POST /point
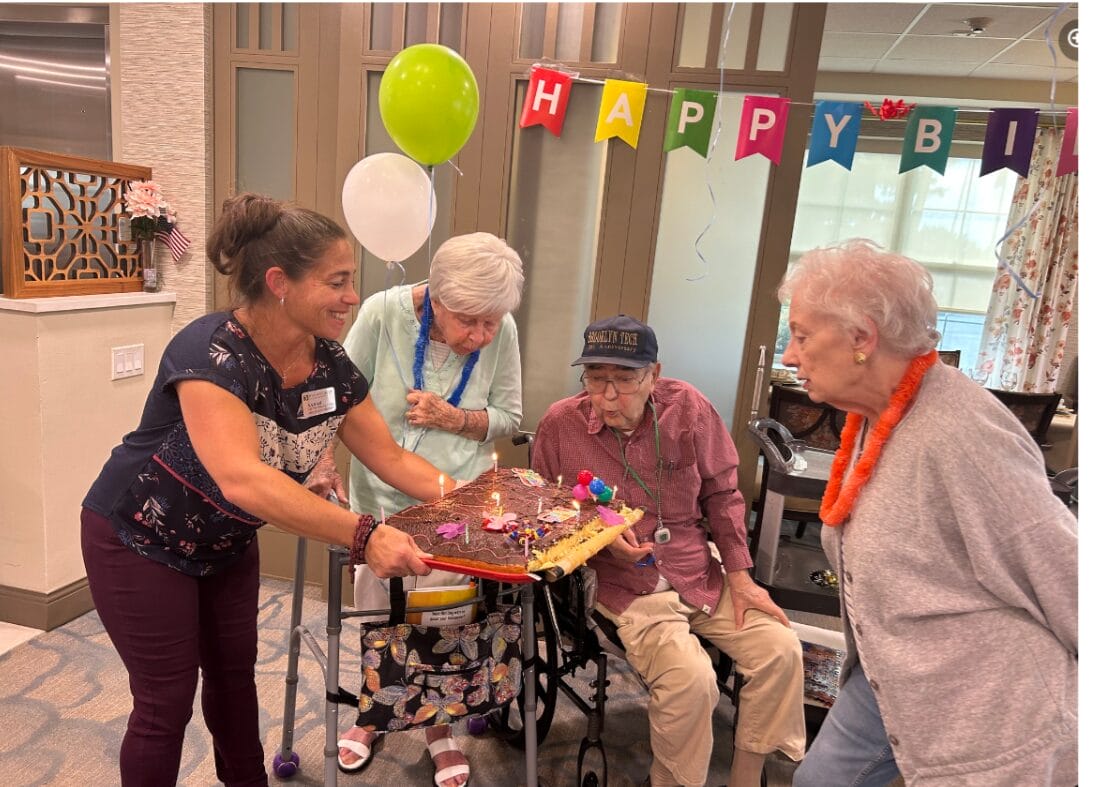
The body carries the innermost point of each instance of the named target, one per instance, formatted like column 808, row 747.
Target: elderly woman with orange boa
column 957, row 565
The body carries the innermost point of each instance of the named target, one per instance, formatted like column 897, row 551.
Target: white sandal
column 436, row 748
column 365, row 752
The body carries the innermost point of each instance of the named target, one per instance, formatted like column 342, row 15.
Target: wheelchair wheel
column 591, row 770
column 509, row 721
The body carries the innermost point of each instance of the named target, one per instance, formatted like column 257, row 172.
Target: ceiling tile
column 865, row 45
column 1008, row 71
column 1066, row 18
column 847, row 64
column 940, row 68
column 1000, row 21
column 964, row 50
column 1033, row 53
column 870, row 17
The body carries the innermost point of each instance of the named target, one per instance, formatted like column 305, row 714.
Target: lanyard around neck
column 659, row 459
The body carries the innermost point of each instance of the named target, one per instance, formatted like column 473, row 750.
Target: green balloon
column 429, row 102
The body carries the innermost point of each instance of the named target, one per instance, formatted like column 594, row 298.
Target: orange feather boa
column 839, row 497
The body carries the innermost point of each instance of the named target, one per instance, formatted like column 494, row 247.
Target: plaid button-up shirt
column 698, row 479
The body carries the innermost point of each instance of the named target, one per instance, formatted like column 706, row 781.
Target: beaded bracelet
column 363, row 530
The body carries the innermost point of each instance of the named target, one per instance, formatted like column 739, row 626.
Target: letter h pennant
column 546, row 99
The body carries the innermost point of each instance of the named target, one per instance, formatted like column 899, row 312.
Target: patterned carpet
column 64, row 703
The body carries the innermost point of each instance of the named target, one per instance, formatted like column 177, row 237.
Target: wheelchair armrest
column 522, row 438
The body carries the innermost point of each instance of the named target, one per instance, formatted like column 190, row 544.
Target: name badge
column 314, row 403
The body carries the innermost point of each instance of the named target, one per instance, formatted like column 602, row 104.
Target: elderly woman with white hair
column 442, row 358
column 957, row 565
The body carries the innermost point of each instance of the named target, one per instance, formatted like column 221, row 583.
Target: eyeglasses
column 596, row 384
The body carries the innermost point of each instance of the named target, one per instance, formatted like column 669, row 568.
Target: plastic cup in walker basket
column 798, row 462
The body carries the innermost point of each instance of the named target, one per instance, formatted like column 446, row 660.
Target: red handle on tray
column 499, row 576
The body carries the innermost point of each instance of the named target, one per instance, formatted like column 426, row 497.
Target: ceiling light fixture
column 976, row 26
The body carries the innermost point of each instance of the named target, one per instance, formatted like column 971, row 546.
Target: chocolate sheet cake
column 513, row 521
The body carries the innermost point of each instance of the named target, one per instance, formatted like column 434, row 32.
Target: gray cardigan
column 959, row 579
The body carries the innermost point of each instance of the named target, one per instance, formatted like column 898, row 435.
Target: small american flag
column 168, row 233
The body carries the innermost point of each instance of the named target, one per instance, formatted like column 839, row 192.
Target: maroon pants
column 167, row 626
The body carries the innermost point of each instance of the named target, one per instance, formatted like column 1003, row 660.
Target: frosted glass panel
column 289, row 27
column 701, row 323
column 265, row 132
column 266, row 26
column 374, row 274
column 774, row 40
column 695, row 35
column 553, row 223
column 604, row 48
column 569, row 31
column 532, row 31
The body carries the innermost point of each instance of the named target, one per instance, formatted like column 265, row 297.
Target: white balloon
column 389, row 205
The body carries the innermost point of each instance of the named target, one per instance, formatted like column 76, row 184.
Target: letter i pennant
column 546, row 99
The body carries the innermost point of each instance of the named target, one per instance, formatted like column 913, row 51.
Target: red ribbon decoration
column 890, row 109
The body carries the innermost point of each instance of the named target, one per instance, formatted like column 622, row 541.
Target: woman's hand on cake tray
column 626, row 547
column 325, row 480
column 393, row 553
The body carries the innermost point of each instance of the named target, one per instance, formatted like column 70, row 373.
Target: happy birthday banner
column 1008, row 141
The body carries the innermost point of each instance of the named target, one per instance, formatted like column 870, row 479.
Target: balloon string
column 1052, row 51
column 712, row 148
column 455, row 166
column 999, row 252
column 431, row 207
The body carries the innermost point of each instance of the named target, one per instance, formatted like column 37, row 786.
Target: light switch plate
column 127, row 361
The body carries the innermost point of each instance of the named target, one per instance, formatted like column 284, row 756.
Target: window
column 949, row 222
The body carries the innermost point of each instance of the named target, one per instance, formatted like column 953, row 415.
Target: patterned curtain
column 1023, row 340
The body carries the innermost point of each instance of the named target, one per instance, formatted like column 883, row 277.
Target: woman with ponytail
column 244, row 404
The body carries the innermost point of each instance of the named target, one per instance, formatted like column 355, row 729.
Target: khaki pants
column 656, row 630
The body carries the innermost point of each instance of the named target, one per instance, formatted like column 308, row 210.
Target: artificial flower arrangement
column 148, row 209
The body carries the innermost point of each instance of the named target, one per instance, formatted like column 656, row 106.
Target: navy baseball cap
column 621, row 341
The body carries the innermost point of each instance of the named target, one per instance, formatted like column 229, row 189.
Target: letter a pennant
column 546, row 99
column 690, row 120
column 927, row 138
column 621, row 110
column 762, row 127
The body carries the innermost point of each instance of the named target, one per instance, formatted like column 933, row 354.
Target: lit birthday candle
column 441, row 486
column 540, row 501
column 560, row 478
column 495, row 462
column 614, row 494
column 498, row 507
column 467, row 532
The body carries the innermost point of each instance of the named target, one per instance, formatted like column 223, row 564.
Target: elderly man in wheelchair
column 664, row 446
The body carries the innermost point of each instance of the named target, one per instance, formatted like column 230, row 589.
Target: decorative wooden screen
column 59, row 225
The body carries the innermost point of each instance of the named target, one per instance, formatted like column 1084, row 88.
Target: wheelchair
column 573, row 635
